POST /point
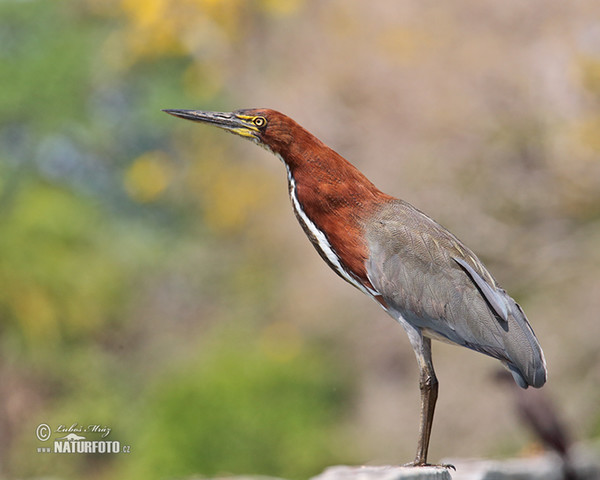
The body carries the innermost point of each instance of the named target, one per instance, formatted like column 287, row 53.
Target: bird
column 422, row 275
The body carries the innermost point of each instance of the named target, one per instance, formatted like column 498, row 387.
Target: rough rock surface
column 343, row 472
column 586, row 466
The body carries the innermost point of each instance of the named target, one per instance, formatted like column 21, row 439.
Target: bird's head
column 268, row 128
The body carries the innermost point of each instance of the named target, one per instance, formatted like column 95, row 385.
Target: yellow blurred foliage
column 281, row 341
column 587, row 126
column 403, row 45
column 226, row 191
column 229, row 194
column 155, row 28
column 151, row 31
column 589, row 72
column 201, row 82
column 148, row 176
column 281, row 7
column 589, row 132
column 36, row 312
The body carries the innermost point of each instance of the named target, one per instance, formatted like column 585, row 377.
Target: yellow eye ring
column 260, row 122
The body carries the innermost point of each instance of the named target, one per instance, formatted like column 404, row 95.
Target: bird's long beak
column 240, row 125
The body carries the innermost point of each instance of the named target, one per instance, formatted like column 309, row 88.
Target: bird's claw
column 422, row 464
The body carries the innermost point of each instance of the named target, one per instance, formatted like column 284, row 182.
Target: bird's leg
column 428, row 384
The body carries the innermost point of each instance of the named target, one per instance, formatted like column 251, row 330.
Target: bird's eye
column 260, row 122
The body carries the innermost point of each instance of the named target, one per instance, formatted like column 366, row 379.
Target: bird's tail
column 520, row 350
column 526, row 359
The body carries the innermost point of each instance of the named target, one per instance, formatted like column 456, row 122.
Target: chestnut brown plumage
column 414, row 268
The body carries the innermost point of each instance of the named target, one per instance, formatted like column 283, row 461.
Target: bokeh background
column 153, row 278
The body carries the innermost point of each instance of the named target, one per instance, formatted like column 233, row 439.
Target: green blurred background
column 153, row 279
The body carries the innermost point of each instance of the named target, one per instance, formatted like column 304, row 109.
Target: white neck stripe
column 320, row 240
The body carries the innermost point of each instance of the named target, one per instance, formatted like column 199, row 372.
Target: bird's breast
column 334, row 232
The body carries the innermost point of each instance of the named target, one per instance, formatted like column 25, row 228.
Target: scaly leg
column 428, row 384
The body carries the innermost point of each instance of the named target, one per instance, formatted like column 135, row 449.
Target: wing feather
column 495, row 299
column 428, row 278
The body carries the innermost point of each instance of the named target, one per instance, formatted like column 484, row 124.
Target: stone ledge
column 388, row 472
column 548, row 466
column 586, row 466
column 585, row 463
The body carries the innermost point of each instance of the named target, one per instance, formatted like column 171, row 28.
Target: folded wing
column 426, row 276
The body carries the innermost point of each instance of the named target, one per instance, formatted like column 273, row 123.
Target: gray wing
column 428, row 277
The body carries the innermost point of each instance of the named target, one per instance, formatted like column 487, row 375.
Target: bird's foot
column 423, row 464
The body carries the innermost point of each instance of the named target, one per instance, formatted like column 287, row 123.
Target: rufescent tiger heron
column 416, row 270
